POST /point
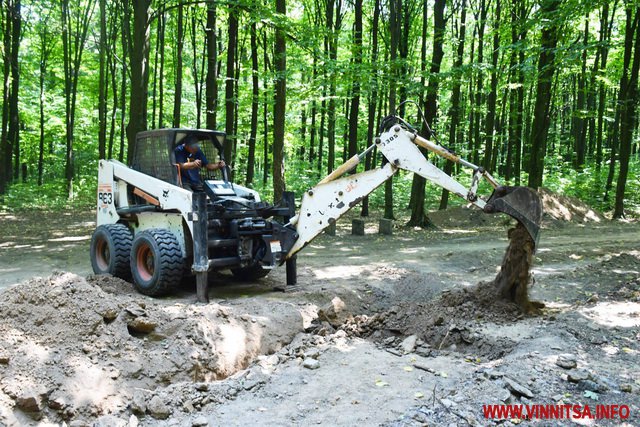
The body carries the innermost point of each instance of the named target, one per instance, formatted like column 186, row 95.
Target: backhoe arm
column 334, row 196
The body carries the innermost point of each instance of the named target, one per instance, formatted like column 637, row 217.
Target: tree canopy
column 539, row 92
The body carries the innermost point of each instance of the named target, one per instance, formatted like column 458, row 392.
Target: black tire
column 248, row 274
column 110, row 249
column 156, row 261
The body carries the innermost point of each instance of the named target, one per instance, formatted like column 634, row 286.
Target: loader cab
column 153, row 153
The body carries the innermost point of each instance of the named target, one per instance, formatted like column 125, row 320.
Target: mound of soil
column 556, row 208
column 564, row 208
column 453, row 321
column 70, row 348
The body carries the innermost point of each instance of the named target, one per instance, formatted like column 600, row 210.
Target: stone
column 357, row 227
column 109, row 315
column 577, row 375
column 312, row 353
column 493, row 374
column 627, row 388
column 504, row 395
column 158, row 409
column 331, row 229
column 517, row 389
column 138, row 403
column 335, row 313
column 133, row 421
column 310, row 363
column 142, row 325
column 591, row 386
column 408, row 345
column 30, row 401
column 4, row 359
column 385, row 226
column 135, row 310
column 201, row 421
column 567, row 361
column 110, row 421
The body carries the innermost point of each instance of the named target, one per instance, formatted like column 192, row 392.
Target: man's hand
column 197, row 163
column 221, row 164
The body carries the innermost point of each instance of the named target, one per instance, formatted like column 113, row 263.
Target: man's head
column 191, row 144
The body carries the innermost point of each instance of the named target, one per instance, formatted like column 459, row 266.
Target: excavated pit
column 73, row 346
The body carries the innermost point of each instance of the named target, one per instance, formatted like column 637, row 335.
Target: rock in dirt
column 142, row 325
column 517, row 389
column 4, row 359
column 139, row 403
column 577, row 375
column 30, row 401
column 311, row 363
column 408, row 345
column 335, row 313
column 201, row 421
column 567, row 361
column 158, row 409
column 627, row 388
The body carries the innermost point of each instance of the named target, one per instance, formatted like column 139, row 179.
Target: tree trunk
column 491, row 101
column 211, row 100
column 418, row 216
column 280, row 61
column 546, row 70
column 102, row 84
column 629, row 99
column 371, row 116
column 454, row 111
column 139, row 64
column 355, row 89
column 177, row 99
column 255, row 100
column 230, row 102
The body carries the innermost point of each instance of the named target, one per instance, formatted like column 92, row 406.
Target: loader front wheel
column 110, row 249
column 156, row 261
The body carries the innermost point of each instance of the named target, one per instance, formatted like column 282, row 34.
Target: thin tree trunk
column 546, row 70
column 255, row 102
column 212, row 64
column 454, row 111
column 371, row 116
column 629, row 98
column 177, row 99
column 491, row 101
column 280, row 62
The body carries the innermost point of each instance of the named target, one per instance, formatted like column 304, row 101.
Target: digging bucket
column 521, row 203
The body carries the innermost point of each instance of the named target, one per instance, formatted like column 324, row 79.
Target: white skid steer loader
column 152, row 231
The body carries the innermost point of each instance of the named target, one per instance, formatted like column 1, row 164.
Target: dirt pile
column 73, row 347
column 556, row 208
column 453, row 321
column 565, row 208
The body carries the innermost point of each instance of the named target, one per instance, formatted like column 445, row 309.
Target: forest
column 539, row 92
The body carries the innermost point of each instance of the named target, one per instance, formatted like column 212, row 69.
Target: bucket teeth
column 521, row 203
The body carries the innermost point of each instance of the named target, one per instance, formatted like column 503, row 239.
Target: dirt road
column 404, row 348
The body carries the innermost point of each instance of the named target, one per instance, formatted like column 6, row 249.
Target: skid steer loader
column 152, row 231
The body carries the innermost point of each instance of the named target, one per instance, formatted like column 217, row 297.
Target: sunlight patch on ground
column 611, row 314
column 457, row 231
column 70, row 239
column 338, row 272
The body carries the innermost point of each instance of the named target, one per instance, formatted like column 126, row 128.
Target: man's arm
column 215, row 166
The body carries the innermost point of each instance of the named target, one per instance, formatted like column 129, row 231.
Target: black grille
column 152, row 158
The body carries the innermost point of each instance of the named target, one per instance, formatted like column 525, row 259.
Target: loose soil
column 386, row 330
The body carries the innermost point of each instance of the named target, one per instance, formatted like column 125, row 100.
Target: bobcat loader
column 152, row 231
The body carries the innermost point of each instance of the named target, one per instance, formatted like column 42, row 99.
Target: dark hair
column 190, row 140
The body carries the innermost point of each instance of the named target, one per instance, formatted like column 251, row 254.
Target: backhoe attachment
column 398, row 143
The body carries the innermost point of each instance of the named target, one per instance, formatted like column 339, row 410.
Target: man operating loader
column 190, row 159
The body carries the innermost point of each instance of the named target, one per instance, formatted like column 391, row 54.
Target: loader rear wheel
column 156, row 261
column 248, row 274
column 110, row 249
